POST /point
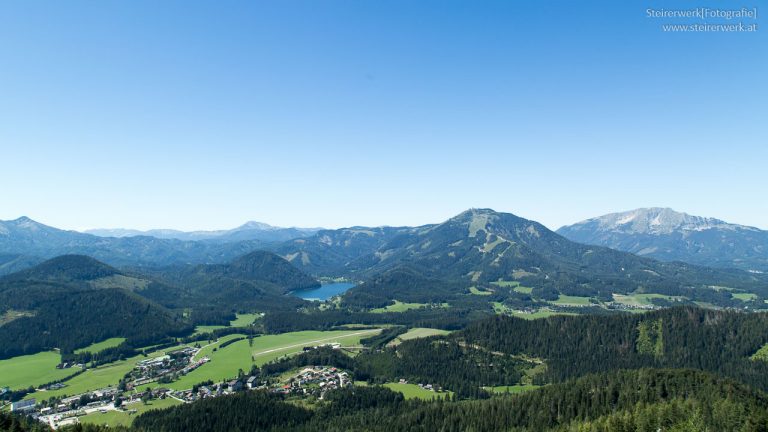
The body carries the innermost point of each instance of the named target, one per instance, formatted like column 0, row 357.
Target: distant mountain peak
column 474, row 212
column 26, row 222
column 257, row 225
column 655, row 220
column 666, row 234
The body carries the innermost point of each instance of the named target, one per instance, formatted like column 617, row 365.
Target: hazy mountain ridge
column 251, row 230
column 667, row 235
column 11, row 263
column 26, row 237
column 337, row 252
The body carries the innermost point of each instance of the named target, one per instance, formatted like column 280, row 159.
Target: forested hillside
column 668, row 400
column 257, row 281
column 717, row 341
column 72, row 301
column 68, row 318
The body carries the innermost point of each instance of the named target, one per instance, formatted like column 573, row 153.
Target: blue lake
column 324, row 292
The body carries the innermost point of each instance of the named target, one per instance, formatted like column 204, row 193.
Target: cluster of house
column 174, row 362
column 206, row 391
column 66, row 411
column 57, row 413
column 314, row 381
column 67, row 365
column 430, row 387
column 624, row 306
column 309, row 381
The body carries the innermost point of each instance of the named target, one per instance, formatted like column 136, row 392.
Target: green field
column 226, row 362
column 399, row 307
column 642, row 299
column 32, row 370
column 92, row 379
column 513, row 388
column 124, row 418
column 244, row 320
column 761, row 354
column 206, row 329
column 744, row 296
column 413, row 391
column 506, row 284
column 11, row 315
column 516, row 287
column 476, row 291
column 241, row 320
column 98, row 346
column 566, row 300
column 415, row 333
column 539, row 314
column 499, row 308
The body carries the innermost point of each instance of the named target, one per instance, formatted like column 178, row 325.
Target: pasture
column 399, row 307
column 125, row 418
column 415, row 333
column 413, row 391
column 99, row 346
column 32, row 370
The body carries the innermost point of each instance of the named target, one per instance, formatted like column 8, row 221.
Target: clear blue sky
column 202, row 115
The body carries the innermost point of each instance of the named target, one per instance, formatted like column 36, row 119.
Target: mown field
column 513, row 388
column 242, row 320
column 475, row 291
column 566, row 300
column 98, row 346
column 415, row 333
column 413, row 391
column 642, row 299
column 399, row 307
column 32, row 370
column 744, row 296
column 125, row 418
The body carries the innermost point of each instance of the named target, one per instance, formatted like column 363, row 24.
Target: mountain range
column 24, row 241
column 476, row 261
column 436, row 263
column 249, row 231
column 667, row 235
column 484, row 248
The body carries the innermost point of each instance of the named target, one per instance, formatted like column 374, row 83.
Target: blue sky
column 202, row 115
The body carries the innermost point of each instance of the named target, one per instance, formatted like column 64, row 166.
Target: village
column 309, row 381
